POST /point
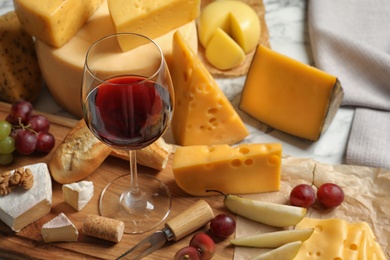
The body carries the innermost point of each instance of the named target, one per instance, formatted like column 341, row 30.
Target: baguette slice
column 153, row 156
column 80, row 154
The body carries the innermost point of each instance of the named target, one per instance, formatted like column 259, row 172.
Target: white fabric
column 351, row 40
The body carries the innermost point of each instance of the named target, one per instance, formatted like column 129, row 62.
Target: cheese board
column 29, row 242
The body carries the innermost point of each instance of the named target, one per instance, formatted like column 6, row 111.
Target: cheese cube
column 290, row 96
column 20, row 75
column 59, row 229
column 78, row 194
column 203, row 114
column 246, row 168
column 151, row 18
column 22, row 207
column 54, row 21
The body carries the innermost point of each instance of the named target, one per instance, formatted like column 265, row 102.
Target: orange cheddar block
column 289, row 95
column 203, row 114
column 242, row 169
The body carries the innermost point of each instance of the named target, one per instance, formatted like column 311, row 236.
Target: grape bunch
column 24, row 132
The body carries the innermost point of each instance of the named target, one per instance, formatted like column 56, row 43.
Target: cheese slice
column 54, row 21
column 327, row 240
column 246, row 168
column 337, row 239
column 151, row 18
column 78, row 194
column 59, row 229
column 22, row 207
column 62, row 68
column 203, row 114
column 289, row 95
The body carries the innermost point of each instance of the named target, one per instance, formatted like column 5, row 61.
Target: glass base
column 140, row 212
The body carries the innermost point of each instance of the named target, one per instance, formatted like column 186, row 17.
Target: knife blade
column 188, row 221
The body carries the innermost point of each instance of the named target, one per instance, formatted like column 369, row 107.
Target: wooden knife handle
column 190, row 219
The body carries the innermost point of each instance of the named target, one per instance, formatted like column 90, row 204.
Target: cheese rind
column 59, row 229
column 62, row 68
column 78, row 194
column 54, row 21
column 289, row 95
column 151, row 18
column 22, row 207
column 203, row 114
column 246, row 168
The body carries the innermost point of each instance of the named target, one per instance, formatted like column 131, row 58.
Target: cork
column 103, row 228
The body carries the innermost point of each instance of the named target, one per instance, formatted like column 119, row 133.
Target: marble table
column 287, row 25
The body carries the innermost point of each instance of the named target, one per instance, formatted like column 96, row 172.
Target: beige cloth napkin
column 351, row 40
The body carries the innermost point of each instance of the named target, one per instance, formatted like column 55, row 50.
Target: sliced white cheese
column 59, row 229
column 78, row 194
column 22, row 207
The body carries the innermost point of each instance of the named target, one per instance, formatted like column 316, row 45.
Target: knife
column 191, row 219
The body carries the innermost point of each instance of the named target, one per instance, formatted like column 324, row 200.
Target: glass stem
column 133, row 173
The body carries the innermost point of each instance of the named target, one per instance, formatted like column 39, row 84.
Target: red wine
column 128, row 111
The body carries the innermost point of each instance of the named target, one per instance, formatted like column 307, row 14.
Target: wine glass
column 127, row 100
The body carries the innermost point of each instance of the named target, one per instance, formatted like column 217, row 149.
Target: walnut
column 21, row 177
column 4, row 182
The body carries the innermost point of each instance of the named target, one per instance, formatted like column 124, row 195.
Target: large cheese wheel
column 62, row 67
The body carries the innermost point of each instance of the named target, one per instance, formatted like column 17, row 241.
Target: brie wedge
column 22, row 207
column 78, row 194
column 59, row 229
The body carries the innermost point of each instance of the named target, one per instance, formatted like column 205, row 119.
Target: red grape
column 302, row 195
column 45, row 142
column 187, row 253
column 25, row 142
column 204, row 244
column 21, row 109
column 39, row 123
column 330, row 195
column 223, row 225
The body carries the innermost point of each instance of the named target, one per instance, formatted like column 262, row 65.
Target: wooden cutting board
column 29, row 243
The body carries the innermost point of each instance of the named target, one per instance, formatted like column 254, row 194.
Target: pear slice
column 287, row 251
column 273, row 239
column 272, row 214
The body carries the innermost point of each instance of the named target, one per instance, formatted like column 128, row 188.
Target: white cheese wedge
column 22, row 207
column 59, row 229
column 78, row 194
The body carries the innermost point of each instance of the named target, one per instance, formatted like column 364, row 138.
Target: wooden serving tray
column 28, row 243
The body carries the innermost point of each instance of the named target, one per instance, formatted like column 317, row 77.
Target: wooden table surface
column 29, row 243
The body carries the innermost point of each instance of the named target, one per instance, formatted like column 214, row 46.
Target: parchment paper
column 367, row 198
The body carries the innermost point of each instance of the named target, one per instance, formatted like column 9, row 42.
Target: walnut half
column 21, row 177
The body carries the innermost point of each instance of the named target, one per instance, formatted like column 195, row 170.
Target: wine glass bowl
column 127, row 100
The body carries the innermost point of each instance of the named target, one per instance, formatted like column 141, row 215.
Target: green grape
column 5, row 129
column 7, row 145
column 6, row 158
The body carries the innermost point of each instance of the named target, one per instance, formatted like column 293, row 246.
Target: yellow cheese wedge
column 223, row 52
column 54, row 21
column 62, row 67
column 236, row 18
column 246, row 168
column 203, row 114
column 152, row 18
column 289, row 95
